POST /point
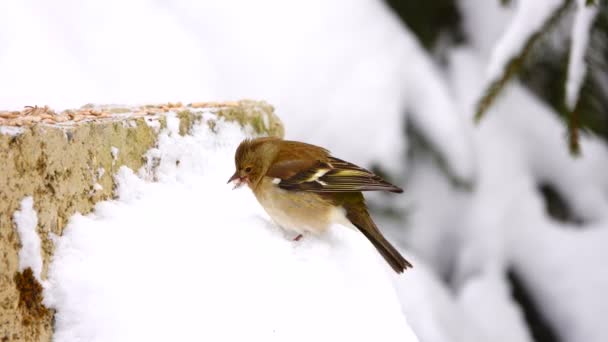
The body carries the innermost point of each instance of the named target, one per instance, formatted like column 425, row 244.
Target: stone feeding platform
column 66, row 161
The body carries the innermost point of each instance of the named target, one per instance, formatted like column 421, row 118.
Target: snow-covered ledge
column 56, row 164
column 125, row 230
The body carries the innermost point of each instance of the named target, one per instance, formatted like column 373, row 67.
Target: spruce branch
column 514, row 65
column 573, row 133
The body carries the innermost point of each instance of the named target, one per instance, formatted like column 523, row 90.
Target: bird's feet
column 297, row 238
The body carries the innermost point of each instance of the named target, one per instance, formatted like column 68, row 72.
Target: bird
column 304, row 189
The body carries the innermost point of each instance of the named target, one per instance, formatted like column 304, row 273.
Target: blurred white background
column 495, row 261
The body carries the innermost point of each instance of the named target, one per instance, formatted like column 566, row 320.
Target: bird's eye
column 248, row 169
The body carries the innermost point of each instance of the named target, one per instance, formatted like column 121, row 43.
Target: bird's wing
column 295, row 157
column 328, row 175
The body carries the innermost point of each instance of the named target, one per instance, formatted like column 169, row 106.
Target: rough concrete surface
column 65, row 162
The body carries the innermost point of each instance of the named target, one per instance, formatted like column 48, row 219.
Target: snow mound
column 26, row 221
column 187, row 258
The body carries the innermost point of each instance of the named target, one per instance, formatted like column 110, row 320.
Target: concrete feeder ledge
column 66, row 162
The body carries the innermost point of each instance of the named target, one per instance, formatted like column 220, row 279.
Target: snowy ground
column 187, row 258
column 347, row 81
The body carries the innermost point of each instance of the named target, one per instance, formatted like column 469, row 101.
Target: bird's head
column 252, row 160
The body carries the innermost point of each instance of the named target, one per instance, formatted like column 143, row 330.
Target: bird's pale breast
column 298, row 211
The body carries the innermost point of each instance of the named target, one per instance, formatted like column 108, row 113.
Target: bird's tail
column 361, row 219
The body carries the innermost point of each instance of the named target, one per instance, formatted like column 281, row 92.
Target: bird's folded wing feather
column 329, row 175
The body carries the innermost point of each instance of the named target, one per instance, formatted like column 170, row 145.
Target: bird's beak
column 238, row 181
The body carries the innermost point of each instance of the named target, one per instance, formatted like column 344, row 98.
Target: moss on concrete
column 258, row 115
column 67, row 168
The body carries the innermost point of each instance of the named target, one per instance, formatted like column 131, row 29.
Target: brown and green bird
column 306, row 190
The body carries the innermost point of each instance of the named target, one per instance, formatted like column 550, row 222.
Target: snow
column 10, row 131
column 486, row 297
column 566, row 276
column 529, row 17
column 583, row 20
column 521, row 145
column 432, row 309
column 114, row 150
column 26, row 221
column 186, row 258
column 484, row 22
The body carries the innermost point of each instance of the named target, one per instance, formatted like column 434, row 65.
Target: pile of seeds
column 31, row 115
